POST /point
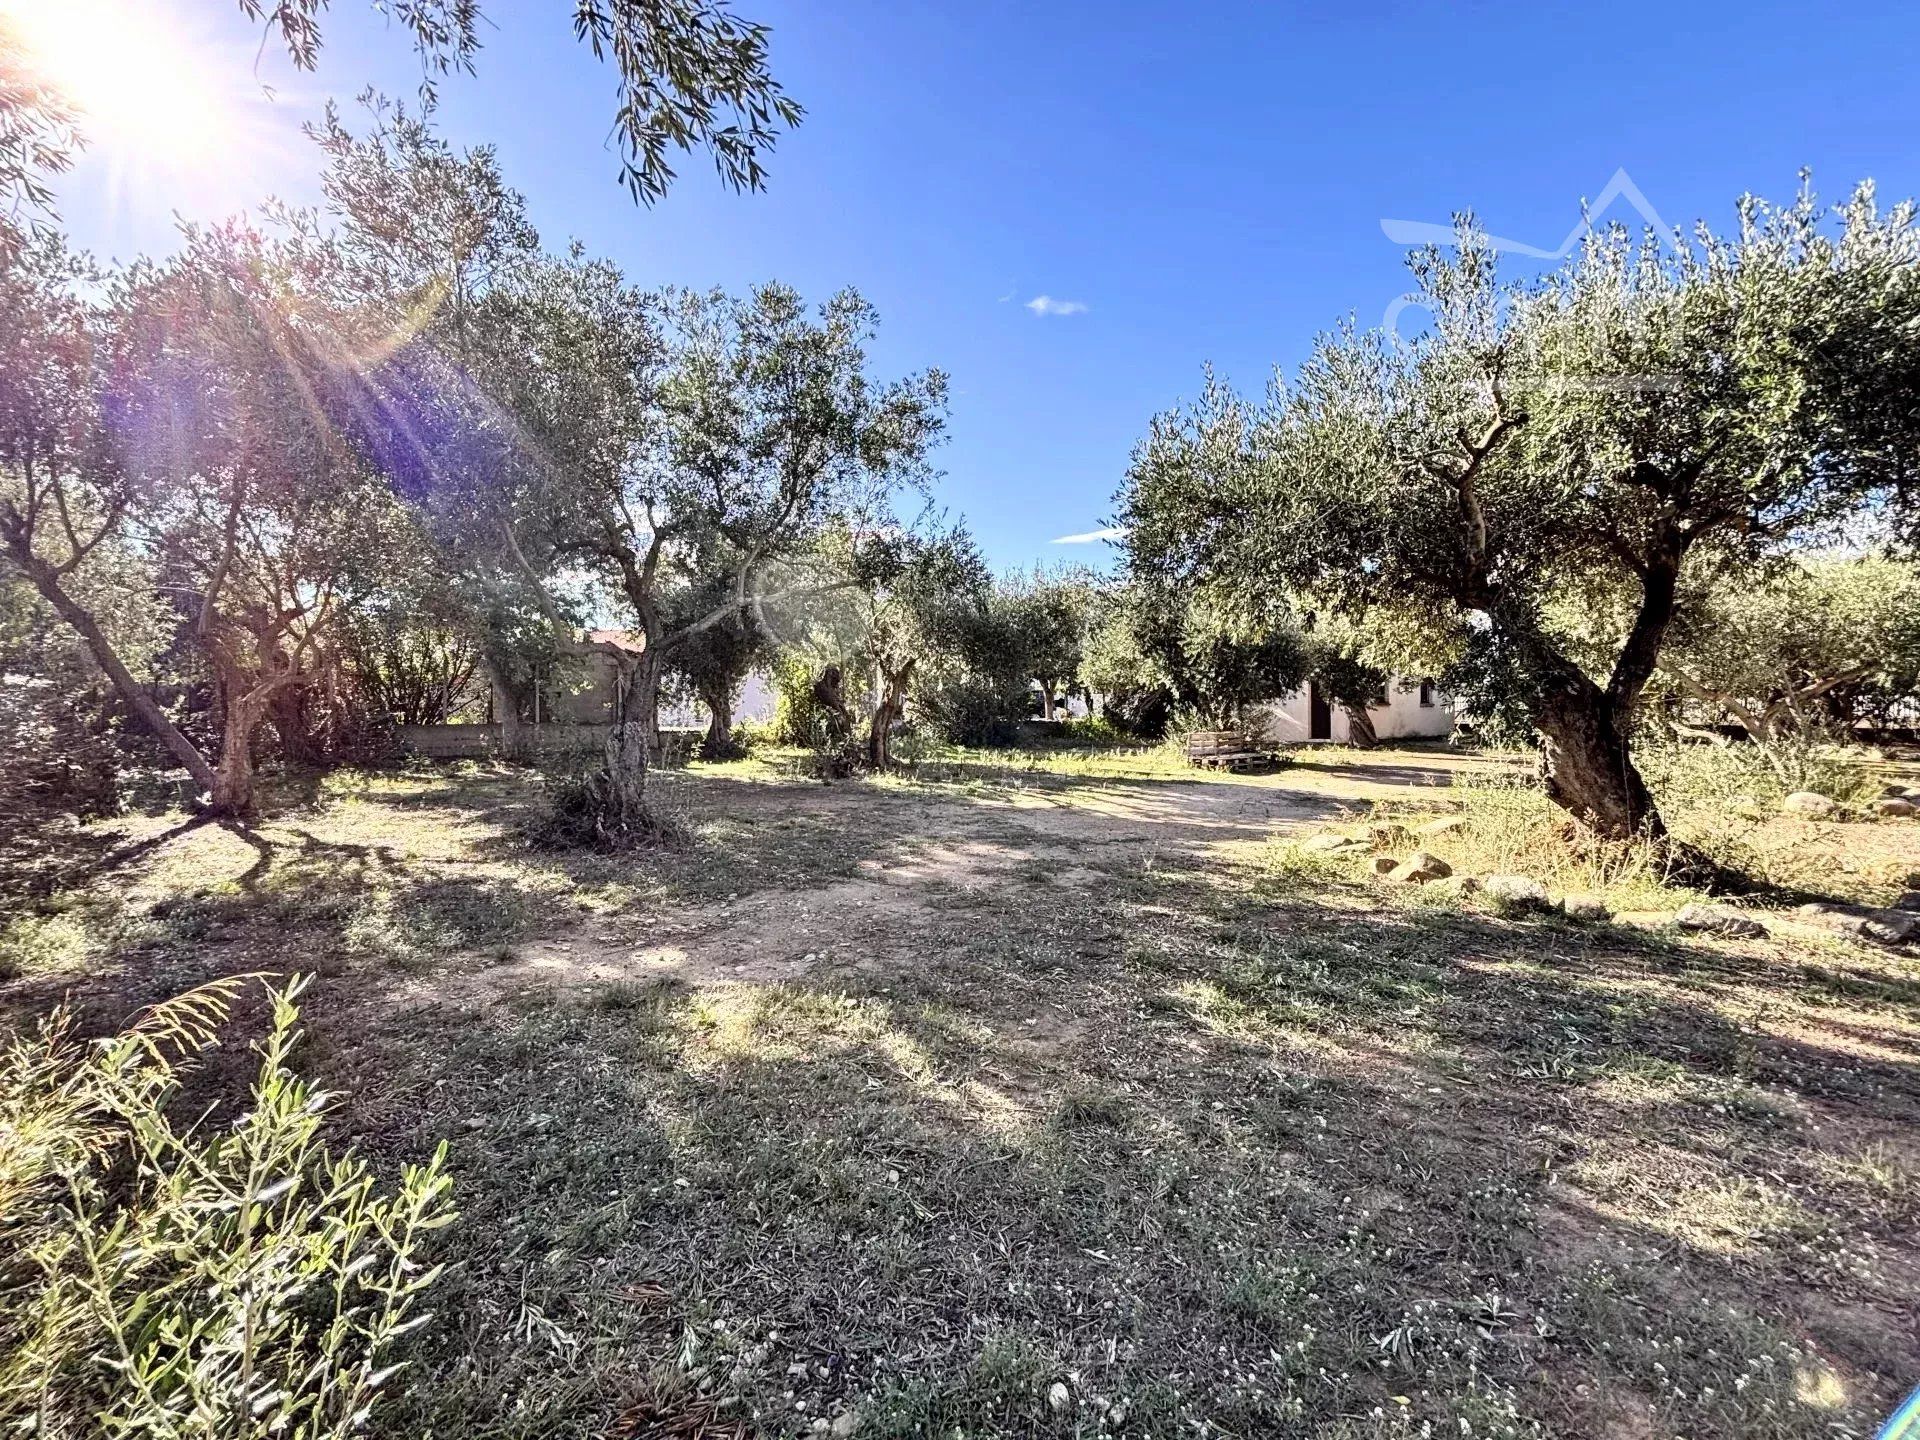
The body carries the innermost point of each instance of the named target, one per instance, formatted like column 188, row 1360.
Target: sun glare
column 136, row 84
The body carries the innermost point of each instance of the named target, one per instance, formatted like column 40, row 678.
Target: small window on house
column 1426, row 692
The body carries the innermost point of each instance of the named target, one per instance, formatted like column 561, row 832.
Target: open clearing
column 1014, row 1103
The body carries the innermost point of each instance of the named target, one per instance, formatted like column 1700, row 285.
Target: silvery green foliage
column 1657, row 403
column 187, row 1280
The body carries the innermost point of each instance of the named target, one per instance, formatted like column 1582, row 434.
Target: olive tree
column 1050, row 611
column 64, row 500
column 691, row 75
column 1717, row 398
column 715, row 661
column 229, row 364
column 1801, row 654
column 1165, row 652
column 922, row 598
column 191, row 414
column 690, row 440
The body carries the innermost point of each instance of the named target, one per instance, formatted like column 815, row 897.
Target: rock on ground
column 1445, row 825
column 1861, row 922
column 1330, row 844
column 1585, row 907
column 1518, row 890
column 1719, row 920
column 1382, row 864
column 1810, row 804
column 1420, row 867
column 1896, row 809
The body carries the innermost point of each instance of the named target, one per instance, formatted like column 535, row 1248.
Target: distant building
column 585, row 691
column 1411, row 710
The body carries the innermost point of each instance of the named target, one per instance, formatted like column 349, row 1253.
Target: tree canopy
column 1654, row 405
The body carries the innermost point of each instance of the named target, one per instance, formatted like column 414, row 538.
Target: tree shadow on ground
column 1263, row 1160
column 1178, row 1137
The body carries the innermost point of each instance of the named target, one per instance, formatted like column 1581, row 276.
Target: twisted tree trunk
column 243, row 709
column 893, row 705
column 718, row 744
column 1588, row 768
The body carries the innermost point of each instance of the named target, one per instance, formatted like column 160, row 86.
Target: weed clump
column 606, row 806
column 165, row 1281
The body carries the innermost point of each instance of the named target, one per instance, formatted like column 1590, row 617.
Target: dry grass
column 1057, row 1124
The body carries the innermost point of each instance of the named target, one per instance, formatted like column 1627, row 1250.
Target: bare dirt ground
column 1061, row 832
column 1009, row 1103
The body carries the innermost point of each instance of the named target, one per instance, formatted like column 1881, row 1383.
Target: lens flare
column 136, row 83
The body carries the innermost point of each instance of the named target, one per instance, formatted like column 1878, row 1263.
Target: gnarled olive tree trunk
column 892, row 706
column 718, row 744
column 243, row 708
column 1588, row 767
column 633, row 742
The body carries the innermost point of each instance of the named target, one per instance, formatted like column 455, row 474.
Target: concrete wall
column 453, row 742
column 1286, row 721
column 459, row 742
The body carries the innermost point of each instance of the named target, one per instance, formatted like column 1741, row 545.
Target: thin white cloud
column 1111, row 532
column 1044, row 305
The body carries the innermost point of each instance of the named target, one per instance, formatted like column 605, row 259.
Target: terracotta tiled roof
column 620, row 639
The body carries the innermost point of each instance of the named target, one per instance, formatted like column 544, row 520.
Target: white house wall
column 1287, row 721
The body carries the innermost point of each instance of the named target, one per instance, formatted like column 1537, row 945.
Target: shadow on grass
column 1261, row 1161
column 1191, row 1146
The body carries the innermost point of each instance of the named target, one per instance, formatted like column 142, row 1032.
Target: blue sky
column 1207, row 180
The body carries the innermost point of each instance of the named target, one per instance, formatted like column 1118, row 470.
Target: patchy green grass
column 946, row 1116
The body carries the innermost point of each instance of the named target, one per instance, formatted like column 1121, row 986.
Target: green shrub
column 198, row 1281
column 974, row 710
column 1094, row 731
column 798, row 718
column 1699, row 774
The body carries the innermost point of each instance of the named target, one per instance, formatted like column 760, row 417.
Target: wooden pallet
column 1226, row 750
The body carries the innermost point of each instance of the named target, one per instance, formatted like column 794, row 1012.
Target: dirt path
column 1053, row 835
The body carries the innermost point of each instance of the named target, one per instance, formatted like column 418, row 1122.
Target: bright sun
column 137, row 85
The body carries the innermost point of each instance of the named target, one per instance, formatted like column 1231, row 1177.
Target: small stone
column 1808, row 803
column 1058, row 1396
column 1589, row 909
column 845, row 1424
column 1861, row 922
column 1719, row 920
column 1382, row 864
column 1420, row 867
column 1909, row 900
column 1902, row 809
column 1519, row 892
column 1445, row 825
column 1891, row 927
